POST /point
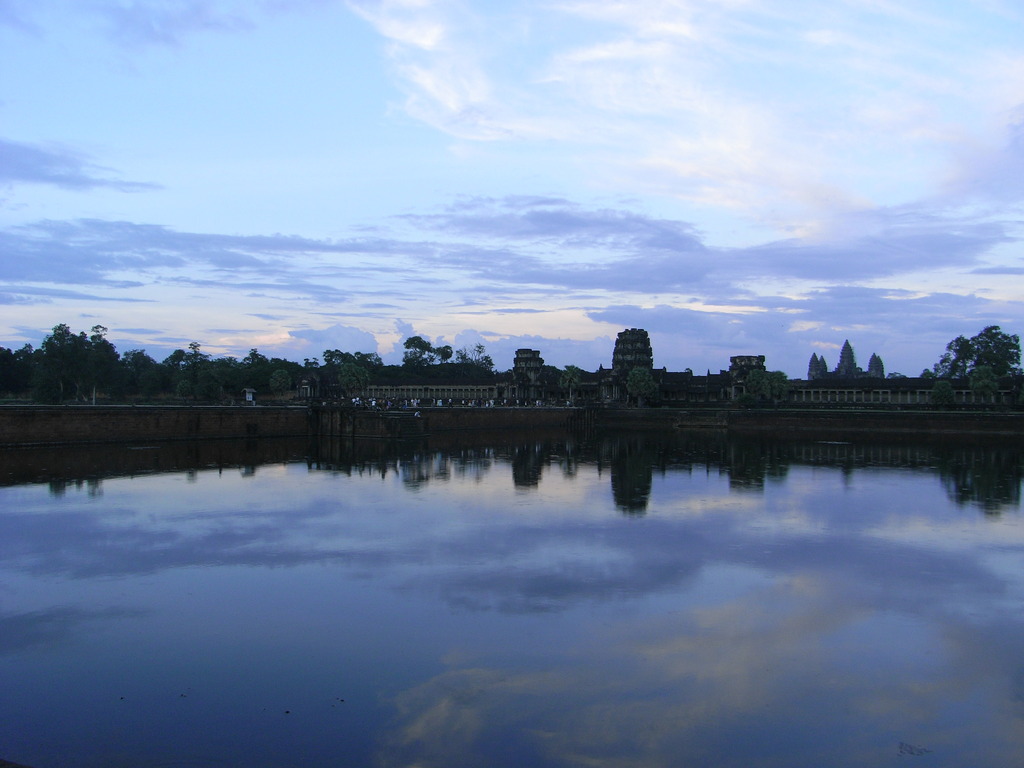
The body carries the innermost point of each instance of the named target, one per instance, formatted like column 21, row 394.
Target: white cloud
column 405, row 22
column 774, row 111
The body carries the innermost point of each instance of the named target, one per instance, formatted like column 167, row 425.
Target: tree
column 956, row 360
column 190, row 374
column 419, row 353
column 984, row 384
column 641, row 384
column 214, row 377
column 102, row 363
column 352, row 379
column 16, row 370
column 183, row 389
column 61, row 366
column 996, row 350
column 280, row 382
column 570, row 379
column 335, row 358
column 991, row 347
column 255, row 359
column 767, row 385
column 476, row 357
column 942, row 393
column 370, row 361
column 143, row 375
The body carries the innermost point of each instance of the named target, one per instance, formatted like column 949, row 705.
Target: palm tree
column 570, row 380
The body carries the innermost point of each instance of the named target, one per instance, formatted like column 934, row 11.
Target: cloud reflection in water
column 798, row 605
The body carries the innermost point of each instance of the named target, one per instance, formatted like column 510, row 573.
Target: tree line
column 81, row 367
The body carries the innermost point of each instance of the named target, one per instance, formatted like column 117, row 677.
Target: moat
column 520, row 598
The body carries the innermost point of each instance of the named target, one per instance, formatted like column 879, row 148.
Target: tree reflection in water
column 987, row 475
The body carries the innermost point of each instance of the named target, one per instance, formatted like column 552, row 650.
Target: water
column 519, row 600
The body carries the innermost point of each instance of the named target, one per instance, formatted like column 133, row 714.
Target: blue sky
column 737, row 177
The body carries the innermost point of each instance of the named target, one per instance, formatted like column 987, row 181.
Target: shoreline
column 86, row 424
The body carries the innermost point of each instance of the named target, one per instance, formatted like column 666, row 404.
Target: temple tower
column 632, row 350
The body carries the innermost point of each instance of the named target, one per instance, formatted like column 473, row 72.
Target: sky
column 735, row 176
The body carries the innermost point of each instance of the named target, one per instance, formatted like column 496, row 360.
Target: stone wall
column 328, row 421
column 825, row 425
column 819, row 424
column 46, row 425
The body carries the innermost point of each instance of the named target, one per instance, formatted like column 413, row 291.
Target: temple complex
column 531, row 382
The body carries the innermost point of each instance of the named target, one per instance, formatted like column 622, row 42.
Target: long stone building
column 532, row 382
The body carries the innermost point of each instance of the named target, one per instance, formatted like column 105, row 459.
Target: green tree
column 280, row 381
column 996, row 350
column 223, row 376
column 255, row 359
column 641, row 385
column 102, row 363
column 570, row 379
column 368, row 360
column 419, row 353
column 767, row 385
column 942, row 393
column 991, row 347
column 188, row 370
column 16, row 368
column 475, row 357
column 61, row 366
column 984, row 384
column 352, row 379
column 142, row 374
column 183, row 389
column 335, row 358
column 956, row 360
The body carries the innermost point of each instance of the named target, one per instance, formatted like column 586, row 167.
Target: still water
column 525, row 600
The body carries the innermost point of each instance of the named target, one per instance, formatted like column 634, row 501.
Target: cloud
column 550, row 274
column 566, row 246
column 34, row 164
column 88, row 250
column 168, row 22
column 560, row 221
column 22, row 294
column 771, row 111
column 15, row 14
column 447, row 58
column 898, row 248
column 312, row 342
column 992, row 173
column 53, row 626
